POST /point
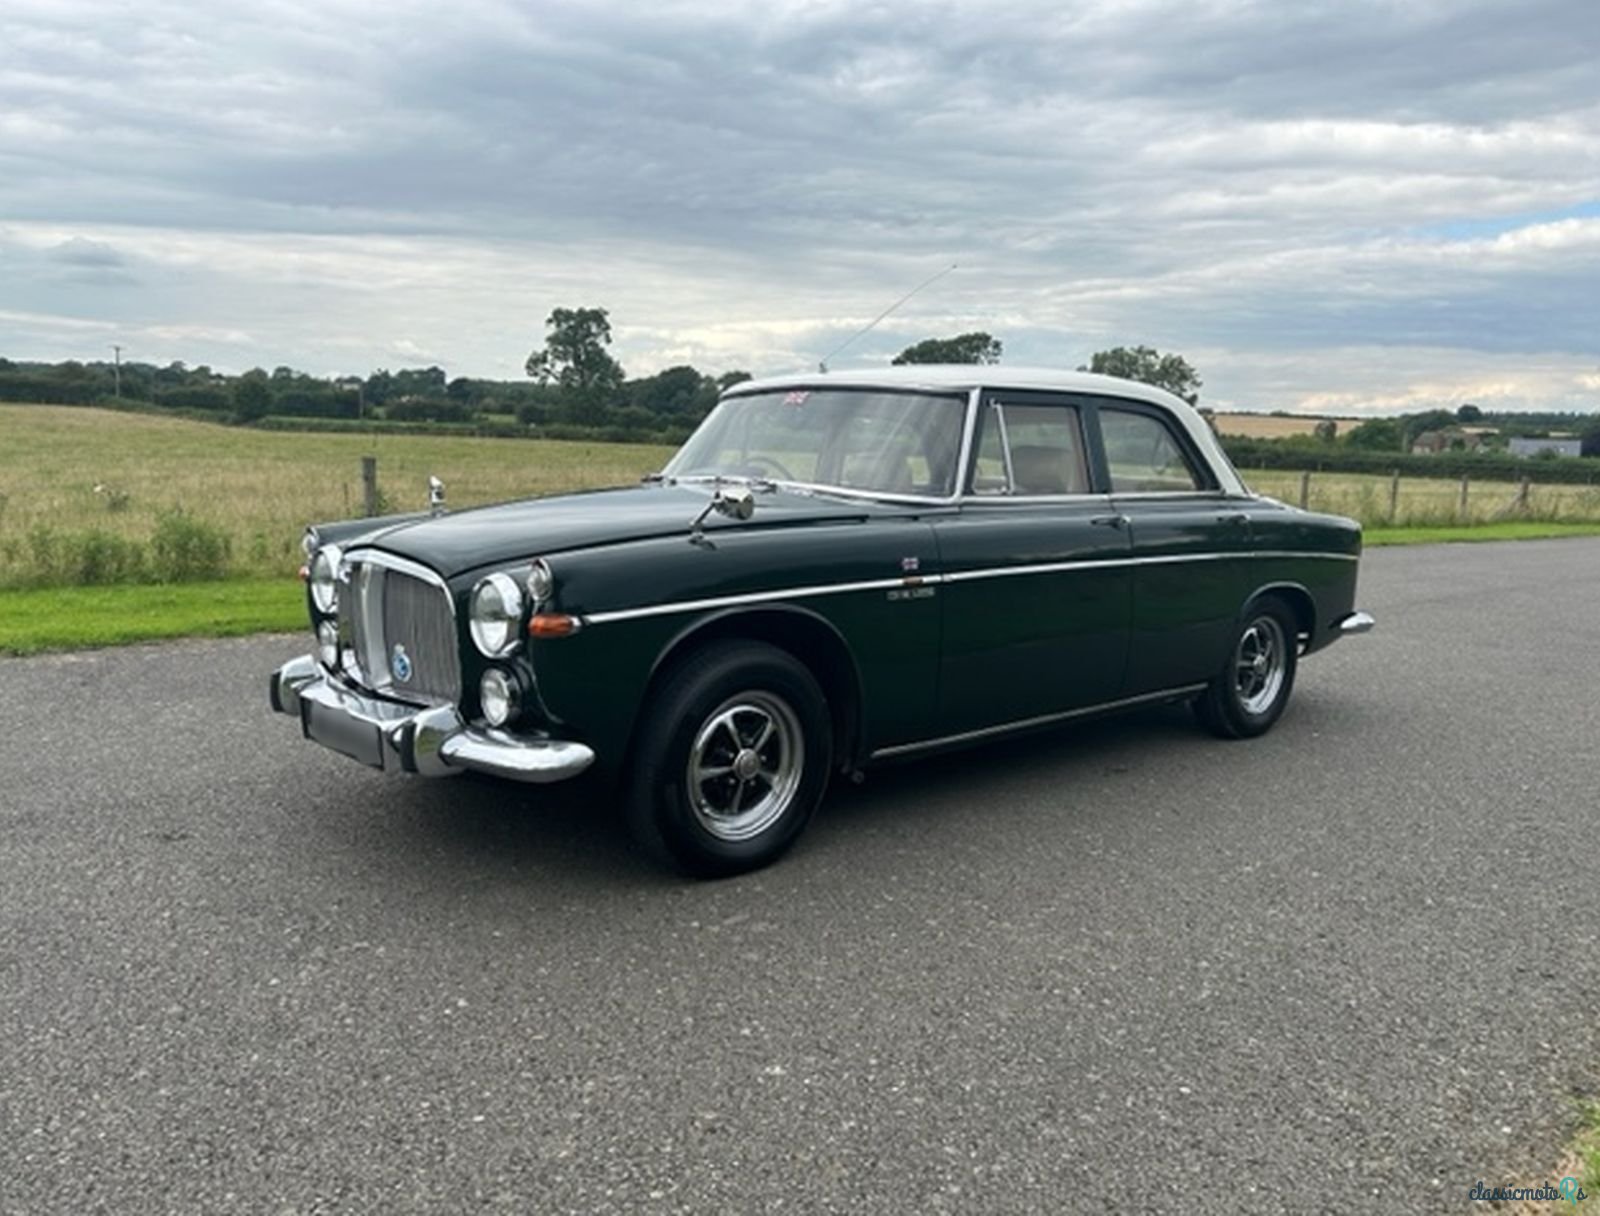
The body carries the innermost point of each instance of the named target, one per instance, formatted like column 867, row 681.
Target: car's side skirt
column 1006, row 728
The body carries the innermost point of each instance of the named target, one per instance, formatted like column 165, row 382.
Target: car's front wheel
column 1250, row 692
column 733, row 758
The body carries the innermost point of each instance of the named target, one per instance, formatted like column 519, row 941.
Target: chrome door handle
column 1236, row 518
column 1110, row 521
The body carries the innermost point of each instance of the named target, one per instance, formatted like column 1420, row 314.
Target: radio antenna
column 822, row 364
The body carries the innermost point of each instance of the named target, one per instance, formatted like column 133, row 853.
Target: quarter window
column 1030, row 450
column 1144, row 456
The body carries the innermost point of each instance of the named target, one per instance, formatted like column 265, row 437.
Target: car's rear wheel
column 1250, row 692
column 733, row 757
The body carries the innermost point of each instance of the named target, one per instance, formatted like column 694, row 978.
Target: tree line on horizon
column 576, row 387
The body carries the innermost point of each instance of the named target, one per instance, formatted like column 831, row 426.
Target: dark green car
column 835, row 570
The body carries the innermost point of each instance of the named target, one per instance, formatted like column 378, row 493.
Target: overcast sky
column 1351, row 205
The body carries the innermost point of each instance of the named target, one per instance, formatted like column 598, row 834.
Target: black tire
column 1250, row 692
column 753, row 723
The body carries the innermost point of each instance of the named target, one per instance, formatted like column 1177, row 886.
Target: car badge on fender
column 400, row 665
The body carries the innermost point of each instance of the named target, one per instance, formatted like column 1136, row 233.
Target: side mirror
column 736, row 502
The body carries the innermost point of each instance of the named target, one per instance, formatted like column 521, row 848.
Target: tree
column 574, row 355
column 976, row 347
column 1148, row 366
column 252, row 395
column 1326, row 431
column 1590, row 440
column 1468, row 413
column 1377, row 435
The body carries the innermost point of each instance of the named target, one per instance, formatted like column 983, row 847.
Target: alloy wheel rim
column 1260, row 663
column 745, row 765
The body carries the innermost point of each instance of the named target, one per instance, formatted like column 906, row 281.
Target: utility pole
column 116, row 368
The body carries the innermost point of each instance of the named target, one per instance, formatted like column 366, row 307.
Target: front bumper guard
column 433, row 742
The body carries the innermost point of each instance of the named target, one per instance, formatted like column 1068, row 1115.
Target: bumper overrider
column 434, row 742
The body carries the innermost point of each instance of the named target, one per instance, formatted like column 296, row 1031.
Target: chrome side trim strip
column 960, row 576
column 1164, row 559
column 754, row 597
column 1005, row 728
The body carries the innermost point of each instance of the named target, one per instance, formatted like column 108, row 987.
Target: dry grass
column 258, row 488
column 1429, row 501
column 1275, row 426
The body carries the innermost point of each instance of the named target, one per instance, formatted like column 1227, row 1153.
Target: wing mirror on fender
column 736, row 502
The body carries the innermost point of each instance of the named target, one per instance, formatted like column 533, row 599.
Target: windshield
column 873, row 441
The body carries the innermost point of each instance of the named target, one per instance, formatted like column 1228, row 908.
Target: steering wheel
column 776, row 466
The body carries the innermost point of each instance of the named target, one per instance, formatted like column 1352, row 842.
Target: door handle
column 1238, row 517
column 1110, row 521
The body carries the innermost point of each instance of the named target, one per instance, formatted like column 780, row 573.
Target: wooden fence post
column 1461, row 505
column 1305, row 489
column 1522, row 493
column 369, row 486
column 1394, row 496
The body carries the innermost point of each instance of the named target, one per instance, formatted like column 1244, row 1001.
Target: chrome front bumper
column 433, row 742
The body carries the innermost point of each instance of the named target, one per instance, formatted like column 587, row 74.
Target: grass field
column 258, row 489
column 1430, row 502
column 1275, row 426
column 96, row 497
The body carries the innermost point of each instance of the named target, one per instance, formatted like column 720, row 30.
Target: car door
column 1037, row 590
column 1190, row 545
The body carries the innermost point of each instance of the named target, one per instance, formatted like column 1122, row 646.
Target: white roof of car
column 947, row 376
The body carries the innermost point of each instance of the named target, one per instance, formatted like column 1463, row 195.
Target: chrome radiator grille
column 401, row 628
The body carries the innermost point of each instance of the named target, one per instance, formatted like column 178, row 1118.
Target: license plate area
column 341, row 732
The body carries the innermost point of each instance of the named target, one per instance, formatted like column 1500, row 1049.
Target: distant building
column 1521, row 446
column 1449, row 439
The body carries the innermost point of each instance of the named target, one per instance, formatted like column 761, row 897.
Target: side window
column 1030, row 450
column 1144, row 456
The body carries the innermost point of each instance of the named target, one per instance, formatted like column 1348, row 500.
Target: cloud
column 342, row 184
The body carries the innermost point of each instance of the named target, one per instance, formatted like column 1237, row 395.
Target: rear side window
column 1144, row 455
column 1030, row 450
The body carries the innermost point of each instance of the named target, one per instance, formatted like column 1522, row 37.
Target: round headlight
column 328, row 645
column 496, row 614
column 541, row 583
column 497, row 694
column 324, row 578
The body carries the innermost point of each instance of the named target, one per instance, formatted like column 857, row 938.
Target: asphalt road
column 1352, row 966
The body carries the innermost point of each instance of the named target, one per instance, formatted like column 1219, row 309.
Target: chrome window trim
column 928, row 580
column 1004, row 728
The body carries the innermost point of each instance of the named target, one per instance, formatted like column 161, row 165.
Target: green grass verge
column 75, row 618
column 1510, row 530
column 1587, row 1145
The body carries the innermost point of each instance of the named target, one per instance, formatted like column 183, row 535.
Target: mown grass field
column 258, row 488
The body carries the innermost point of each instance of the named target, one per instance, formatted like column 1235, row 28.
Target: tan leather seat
column 1041, row 470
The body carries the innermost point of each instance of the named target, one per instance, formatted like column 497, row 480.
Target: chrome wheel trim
column 745, row 765
column 1260, row 663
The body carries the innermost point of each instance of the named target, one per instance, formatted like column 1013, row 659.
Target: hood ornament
column 435, row 496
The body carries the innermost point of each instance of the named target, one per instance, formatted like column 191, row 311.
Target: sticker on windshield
column 798, row 397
